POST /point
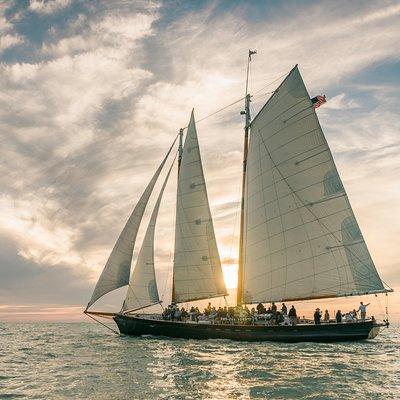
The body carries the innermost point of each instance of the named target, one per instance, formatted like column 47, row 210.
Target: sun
column 230, row 275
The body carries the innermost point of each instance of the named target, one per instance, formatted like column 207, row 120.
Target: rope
column 269, row 84
column 216, row 112
column 111, row 329
column 241, row 99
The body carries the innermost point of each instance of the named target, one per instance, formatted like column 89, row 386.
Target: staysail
column 197, row 272
column 116, row 272
column 301, row 238
column 142, row 290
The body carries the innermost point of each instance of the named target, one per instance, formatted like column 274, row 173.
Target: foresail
column 197, row 266
column 142, row 290
column 116, row 272
column 302, row 240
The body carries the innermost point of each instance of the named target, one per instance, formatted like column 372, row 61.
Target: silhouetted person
column 261, row 309
column 292, row 315
column 326, row 316
column 317, row 317
column 338, row 316
column 273, row 308
column 284, row 309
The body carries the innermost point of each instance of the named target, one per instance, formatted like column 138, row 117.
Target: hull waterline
column 138, row 326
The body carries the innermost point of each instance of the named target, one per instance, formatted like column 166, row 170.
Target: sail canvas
column 301, row 237
column 116, row 272
column 197, row 266
column 142, row 290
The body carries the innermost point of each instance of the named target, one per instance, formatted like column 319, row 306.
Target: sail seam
column 305, row 205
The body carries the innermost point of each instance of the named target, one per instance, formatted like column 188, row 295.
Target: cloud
column 7, row 41
column 341, row 102
column 26, row 282
column 49, row 6
column 8, row 37
column 94, row 96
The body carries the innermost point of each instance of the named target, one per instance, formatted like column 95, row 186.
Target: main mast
column 246, row 113
column 180, row 151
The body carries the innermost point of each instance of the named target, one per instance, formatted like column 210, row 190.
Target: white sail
column 142, row 290
column 197, row 266
column 302, row 240
column 116, row 272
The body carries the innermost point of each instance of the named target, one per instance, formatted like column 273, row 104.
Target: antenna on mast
column 246, row 113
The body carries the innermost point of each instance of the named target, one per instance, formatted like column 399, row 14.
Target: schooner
column 299, row 238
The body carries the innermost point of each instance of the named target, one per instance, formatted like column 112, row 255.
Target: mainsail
column 197, row 266
column 142, row 290
column 116, row 272
column 301, row 239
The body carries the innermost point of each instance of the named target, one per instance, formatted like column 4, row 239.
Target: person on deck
column 178, row 314
column 317, row 317
column 284, row 309
column 292, row 315
column 197, row 312
column 209, row 308
column 213, row 314
column 231, row 314
column 273, row 308
column 326, row 316
column 363, row 310
column 192, row 314
column 184, row 314
column 338, row 316
column 261, row 309
column 280, row 319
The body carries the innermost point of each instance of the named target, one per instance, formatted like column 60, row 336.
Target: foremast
column 246, row 113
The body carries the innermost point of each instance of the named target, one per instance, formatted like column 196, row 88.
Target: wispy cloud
column 48, row 6
column 92, row 96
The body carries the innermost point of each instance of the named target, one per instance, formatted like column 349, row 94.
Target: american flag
column 317, row 101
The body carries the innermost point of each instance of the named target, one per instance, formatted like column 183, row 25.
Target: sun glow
column 230, row 272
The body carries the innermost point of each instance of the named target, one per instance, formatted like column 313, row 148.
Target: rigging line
column 111, row 329
column 216, row 112
column 239, row 100
column 262, row 94
column 269, row 84
column 379, row 304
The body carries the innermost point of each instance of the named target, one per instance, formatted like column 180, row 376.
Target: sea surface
column 86, row 361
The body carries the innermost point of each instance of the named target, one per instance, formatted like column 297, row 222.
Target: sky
column 92, row 93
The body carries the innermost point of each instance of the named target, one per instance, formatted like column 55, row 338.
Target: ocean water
column 86, row 361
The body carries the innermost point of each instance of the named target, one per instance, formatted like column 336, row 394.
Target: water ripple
column 75, row 361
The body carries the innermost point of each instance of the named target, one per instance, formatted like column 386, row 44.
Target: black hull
column 137, row 326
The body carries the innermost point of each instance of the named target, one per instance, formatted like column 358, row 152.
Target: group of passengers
column 270, row 315
column 231, row 314
column 174, row 313
column 350, row 316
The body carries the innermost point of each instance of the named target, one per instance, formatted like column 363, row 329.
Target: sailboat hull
column 138, row 326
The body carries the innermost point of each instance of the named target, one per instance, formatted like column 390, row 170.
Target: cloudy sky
column 92, row 93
